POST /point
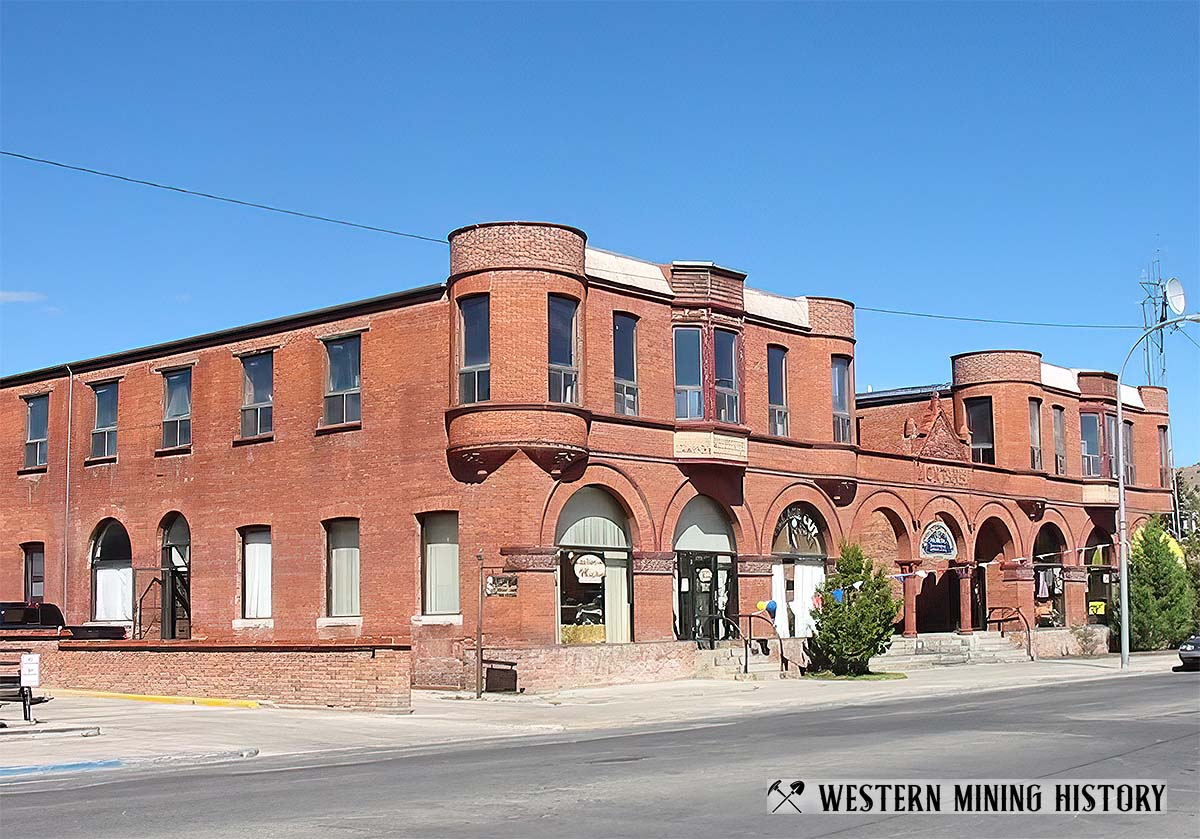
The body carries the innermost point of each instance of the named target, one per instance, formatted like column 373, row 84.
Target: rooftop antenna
column 1155, row 309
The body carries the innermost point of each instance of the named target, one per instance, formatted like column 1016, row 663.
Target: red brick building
column 629, row 450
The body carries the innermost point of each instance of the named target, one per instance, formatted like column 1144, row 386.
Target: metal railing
column 750, row 639
column 1008, row 613
column 154, row 581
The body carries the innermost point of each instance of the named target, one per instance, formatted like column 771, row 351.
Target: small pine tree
column 849, row 633
column 1162, row 600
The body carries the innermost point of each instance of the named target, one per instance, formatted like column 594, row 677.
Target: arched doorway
column 705, row 580
column 1099, row 555
column 938, row 607
column 111, row 561
column 800, row 548
column 594, row 570
column 176, row 580
column 993, row 545
column 1049, row 602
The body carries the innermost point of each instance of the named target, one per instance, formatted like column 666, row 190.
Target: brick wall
column 542, row 669
column 361, row 678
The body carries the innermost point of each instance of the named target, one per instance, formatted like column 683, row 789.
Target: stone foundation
column 549, row 668
column 1088, row 640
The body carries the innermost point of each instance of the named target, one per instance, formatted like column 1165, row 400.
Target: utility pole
column 479, row 632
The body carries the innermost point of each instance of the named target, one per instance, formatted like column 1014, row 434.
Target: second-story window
column 258, row 394
column 1127, row 444
column 1089, row 435
column 625, row 389
column 1164, row 456
column 177, row 408
column 104, row 434
column 1035, row 434
column 1110, row 443
column 689, row 393
column 37, row 424
column 563, row 368
column 777, row 412
column 841, row 400
column 726, row 379
column 979, row 424
column 343, row 394
column 1060, row 440
column 35, row 571
column 475, row 365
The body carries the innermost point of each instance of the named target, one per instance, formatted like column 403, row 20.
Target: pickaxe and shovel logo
column 789, row 794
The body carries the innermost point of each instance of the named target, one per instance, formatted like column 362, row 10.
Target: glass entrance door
column 707, row 589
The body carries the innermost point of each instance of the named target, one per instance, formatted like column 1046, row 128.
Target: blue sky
column 1009, row 161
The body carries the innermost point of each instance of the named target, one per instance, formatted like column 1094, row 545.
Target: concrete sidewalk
column 133, row 731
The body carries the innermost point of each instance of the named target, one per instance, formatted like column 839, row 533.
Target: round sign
column 589, row 568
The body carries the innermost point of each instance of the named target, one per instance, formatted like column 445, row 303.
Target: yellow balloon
column 761, row 605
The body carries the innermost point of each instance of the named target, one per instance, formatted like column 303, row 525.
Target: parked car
column 47, row 616
column 1189, row 653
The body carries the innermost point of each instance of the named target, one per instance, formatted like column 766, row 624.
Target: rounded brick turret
column 519, row 266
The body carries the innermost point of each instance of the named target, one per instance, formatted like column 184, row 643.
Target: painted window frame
column 625, row 389
column 474, row 378
column 692, row 395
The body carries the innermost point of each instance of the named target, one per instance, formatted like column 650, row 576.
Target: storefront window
column 594, row 567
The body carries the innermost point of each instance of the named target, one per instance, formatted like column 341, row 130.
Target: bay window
column 1060, row 440
column 1035, row 434
column 841, row 399
column 1089, row 432
column 726, row 378
column 689, row 391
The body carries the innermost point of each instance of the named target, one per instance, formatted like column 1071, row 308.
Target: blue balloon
column 837, row 595
column 771, row 607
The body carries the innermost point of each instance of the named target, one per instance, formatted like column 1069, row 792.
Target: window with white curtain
column 439, row 547
column 177, row 408
column 256, row 573
column 341, row 537
column 112, row 574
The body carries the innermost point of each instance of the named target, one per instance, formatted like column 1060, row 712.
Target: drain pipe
column 67, row 494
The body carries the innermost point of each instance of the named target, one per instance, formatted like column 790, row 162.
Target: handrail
column 749, row 638
column 701, row 623
column 1009, row 612
column 153, row 582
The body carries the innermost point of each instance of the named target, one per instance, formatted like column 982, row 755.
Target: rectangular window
column 104, row 433
column 341, row 537
column 563, row 369
column 475, row 365
column 35, row 572
column 841, row 399
column 1089, row 434
column 1060, row 440
column 1127, row 444
column 1110, row 443
column 177, row 408
column 979, row 424
column 256, row 573
column 689, row 395
column 37, row 423
column 777, row 412
column 725, row 362
column 1164, row 456
column 439, row 550
column 343, row 386
column 258, row 394
column 1035, row 434
column 625, row 389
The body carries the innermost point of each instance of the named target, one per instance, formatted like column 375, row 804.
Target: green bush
column 1162, row 601
column 849, row 633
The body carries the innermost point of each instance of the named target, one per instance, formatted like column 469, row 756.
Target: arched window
column 111, row 560
column 176, row 577
column 594, row 569
column 1049, row 603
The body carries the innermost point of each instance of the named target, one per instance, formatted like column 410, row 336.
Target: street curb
column 194, row 759
column 165, row 700
column 51, row 731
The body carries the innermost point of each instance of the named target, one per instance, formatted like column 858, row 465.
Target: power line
column 443, row 241
column 996, row 320
column 255, row 205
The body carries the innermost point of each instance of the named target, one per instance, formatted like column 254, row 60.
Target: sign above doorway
column 937, row 542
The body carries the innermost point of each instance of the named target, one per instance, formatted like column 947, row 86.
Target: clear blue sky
column 1012, row 161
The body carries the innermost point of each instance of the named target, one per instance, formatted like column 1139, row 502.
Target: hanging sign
column 589, row 568
column 937, row 542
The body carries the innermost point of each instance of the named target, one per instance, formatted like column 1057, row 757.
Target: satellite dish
column 1175, row 297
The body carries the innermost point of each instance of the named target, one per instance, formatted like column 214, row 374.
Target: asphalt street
column 707, row 778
